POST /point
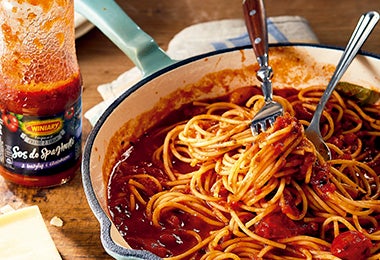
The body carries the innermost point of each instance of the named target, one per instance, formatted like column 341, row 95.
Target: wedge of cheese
column 24, row 235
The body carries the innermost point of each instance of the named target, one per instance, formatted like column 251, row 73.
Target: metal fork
column 363, row 29
column 255, row 20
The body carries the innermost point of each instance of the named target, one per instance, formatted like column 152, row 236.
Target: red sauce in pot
column 137, row 230
column 170, row 238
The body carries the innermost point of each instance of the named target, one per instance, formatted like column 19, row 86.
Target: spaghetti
column 206, row 188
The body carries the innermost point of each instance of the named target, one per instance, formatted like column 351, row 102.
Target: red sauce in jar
column 40, row 94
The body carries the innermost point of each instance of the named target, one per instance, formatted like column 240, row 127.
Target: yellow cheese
column 23, row 235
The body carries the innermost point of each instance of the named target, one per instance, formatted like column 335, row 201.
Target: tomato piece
column 351, row 245
column 10, row 121
column 277, row 225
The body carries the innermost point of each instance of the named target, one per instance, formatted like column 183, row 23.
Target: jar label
column 40, row 145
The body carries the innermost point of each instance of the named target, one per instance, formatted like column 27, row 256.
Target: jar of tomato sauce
column 40, row 93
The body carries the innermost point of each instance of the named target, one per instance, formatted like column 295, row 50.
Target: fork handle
column 363, row 29
column 255, row 19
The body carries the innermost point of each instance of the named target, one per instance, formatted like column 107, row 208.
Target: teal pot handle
column 141, row 49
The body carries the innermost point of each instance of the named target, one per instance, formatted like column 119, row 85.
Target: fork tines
column 266, row 117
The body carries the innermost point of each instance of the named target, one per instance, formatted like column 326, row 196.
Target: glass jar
column 40, row 93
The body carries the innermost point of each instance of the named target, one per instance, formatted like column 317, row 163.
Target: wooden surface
column 101, row 62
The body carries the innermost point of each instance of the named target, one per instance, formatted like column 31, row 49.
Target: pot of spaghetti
column 171, row 169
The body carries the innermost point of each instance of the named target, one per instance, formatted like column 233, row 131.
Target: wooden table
column 101, row 62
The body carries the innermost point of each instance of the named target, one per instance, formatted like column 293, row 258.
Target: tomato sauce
column 170, row 238
column 58, row 97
